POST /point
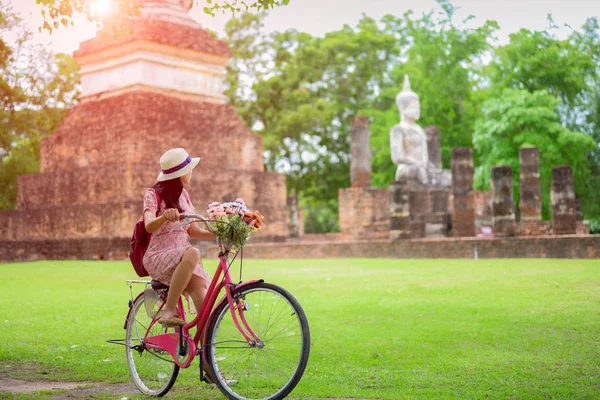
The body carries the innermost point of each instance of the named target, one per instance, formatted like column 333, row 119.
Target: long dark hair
column 170, row 191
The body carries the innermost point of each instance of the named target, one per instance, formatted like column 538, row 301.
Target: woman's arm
column 152, row 222
column 196, row 232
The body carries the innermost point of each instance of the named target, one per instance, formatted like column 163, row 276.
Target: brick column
column 434, row 147
column 564, row 207
column 531, row 194
column 360, row 152
column 293, row 218
column 463, row 216
column 503, row 213
column 436, row 221
column 482, row 201
column 400, row 224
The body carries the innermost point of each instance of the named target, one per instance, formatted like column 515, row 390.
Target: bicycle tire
column 250, row 381
column 162, row 366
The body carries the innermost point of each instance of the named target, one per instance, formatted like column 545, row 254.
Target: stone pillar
column 434, row 146
column 482, row 202
column 436, row 221
column 531, row 194
column 463, row 215
column 400, row 224
column 360, row 152
column 562, row 196
column 293, row 218
column 503, row 212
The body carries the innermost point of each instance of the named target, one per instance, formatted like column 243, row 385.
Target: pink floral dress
column 166, row 248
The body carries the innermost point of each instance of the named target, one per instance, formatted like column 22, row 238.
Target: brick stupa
column 146, row 92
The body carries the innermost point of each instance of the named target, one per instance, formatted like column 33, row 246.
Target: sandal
column 171, row 320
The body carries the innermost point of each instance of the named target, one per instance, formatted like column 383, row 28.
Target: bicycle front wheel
column 268, row 371
column 153, row 371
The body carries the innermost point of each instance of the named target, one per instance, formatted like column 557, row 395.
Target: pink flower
column 214, row 204
column 239, row 200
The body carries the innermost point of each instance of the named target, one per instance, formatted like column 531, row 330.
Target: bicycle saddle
column 156, row 285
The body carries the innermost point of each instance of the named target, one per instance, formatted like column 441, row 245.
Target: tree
column 538, row 61
column 517, row 118
column 299, row 92
column 443, row 61
column 61, row 12
column 37, row 88
column 568, row 69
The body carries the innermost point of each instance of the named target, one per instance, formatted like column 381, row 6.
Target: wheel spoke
column 153, row 371
column 270, row 369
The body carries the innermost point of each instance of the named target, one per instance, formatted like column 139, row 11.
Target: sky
column 320, row 16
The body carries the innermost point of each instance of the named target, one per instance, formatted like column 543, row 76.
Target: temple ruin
column 157, row 88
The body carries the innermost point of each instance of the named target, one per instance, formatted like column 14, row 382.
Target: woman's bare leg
column 181, row 278
column 197, row 288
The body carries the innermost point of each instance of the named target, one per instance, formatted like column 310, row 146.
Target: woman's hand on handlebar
column 171, row 214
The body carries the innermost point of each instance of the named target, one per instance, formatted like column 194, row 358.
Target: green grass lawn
column 389, row 329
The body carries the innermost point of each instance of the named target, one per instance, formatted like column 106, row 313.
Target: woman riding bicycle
column 170, row 257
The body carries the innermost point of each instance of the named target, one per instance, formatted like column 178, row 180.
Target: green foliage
column 24, row 158
column 321, row 217
column 594, row 225
column 518, row 118
column 568, row 70
column 58, row 13
column 38, row 88
column 299, row 92
column 443, row 63
column 536, row 60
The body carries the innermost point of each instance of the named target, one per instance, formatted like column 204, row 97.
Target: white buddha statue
column 408, row 142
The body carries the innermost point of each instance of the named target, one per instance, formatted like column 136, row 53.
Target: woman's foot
column 170, row 319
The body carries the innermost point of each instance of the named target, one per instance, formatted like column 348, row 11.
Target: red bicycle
column 253, row 342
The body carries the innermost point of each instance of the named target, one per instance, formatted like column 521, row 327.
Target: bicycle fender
column 224, row 299
column 130, row 307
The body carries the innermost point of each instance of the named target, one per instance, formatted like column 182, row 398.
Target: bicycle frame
column 170, row 342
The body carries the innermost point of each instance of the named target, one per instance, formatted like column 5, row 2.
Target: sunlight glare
column 102, row 7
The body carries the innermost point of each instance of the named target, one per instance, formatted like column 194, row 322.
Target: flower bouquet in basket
column 232, row 223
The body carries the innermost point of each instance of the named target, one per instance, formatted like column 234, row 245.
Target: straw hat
column 176, row 163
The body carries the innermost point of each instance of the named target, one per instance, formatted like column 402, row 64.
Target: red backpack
column 139, row 244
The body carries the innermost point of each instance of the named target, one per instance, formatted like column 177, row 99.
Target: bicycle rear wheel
column 152, row 371
column 270, row 371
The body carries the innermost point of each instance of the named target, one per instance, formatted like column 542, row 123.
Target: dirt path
column 75, row 389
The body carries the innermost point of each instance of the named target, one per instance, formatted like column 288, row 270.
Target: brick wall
column 138, row 127
column 573, row 246
column 80, row 205
column 68, row 249
column 97, row 166
column 570, row 246
column 364, row 212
